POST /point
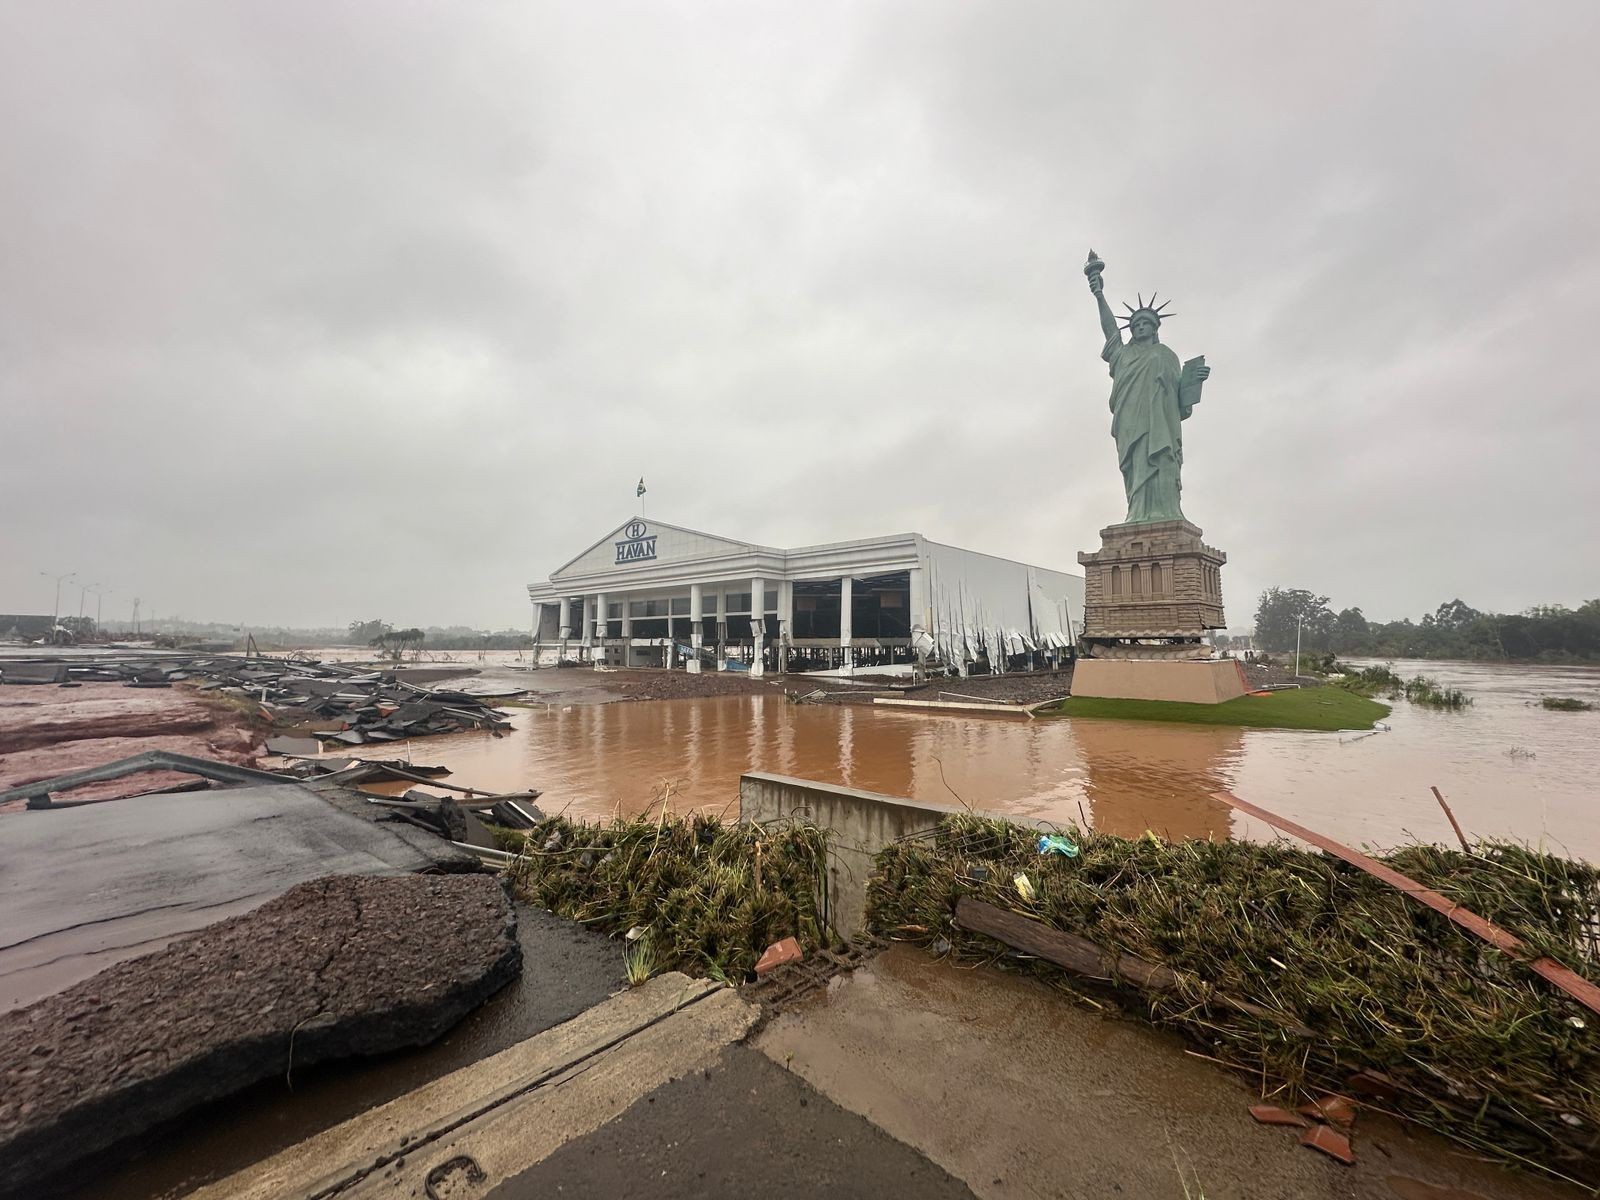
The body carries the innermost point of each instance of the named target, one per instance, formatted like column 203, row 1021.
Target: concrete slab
column 493, row 1120
column 86, row 887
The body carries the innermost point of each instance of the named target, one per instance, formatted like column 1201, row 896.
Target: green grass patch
column 1566, row 704
column 1326, row 708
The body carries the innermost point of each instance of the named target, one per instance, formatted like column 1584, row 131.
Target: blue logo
column 638, row 547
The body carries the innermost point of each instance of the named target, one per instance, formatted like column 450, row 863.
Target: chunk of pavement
column 338, row 966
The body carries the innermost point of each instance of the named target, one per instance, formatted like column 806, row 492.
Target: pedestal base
column 1152, row 591
column 1186, row 682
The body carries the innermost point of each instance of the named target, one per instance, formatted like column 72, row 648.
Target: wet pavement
column 744, row 1127
column 1019, row 1091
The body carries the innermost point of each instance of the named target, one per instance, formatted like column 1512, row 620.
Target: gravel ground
column 345, row 965
column 1020, row 687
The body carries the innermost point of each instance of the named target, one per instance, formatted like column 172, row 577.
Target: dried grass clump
column 709, row 896
column 1479, row 1047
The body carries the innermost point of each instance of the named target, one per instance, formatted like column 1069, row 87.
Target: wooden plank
column 1569, row 981
column 1086, row 958
column 1077, row 954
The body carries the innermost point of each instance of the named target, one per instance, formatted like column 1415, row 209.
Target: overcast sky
column 312, row 312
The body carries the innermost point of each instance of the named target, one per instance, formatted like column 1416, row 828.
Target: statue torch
column 1093, row 268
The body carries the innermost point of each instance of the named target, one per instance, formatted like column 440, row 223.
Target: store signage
column 640, row 543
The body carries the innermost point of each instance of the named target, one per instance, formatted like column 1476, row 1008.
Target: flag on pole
column 639, row 491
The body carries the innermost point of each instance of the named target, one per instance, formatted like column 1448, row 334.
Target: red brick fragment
column 1271, row 1114
column 1330, row 1141
column 779, row 953
column 1335, row 1110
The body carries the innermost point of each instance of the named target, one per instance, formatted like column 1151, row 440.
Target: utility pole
column 1297, row 622
column 100, row 595
column 136, row 616
column 83, row 592
column 55, row 615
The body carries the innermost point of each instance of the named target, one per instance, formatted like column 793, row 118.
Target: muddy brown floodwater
column 1509, row 767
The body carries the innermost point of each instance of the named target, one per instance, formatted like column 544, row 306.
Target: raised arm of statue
column 1108, row 319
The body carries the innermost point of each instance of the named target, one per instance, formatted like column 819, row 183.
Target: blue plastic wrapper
column 1055, row 843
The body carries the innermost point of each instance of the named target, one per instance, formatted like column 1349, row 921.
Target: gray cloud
column 314, row 313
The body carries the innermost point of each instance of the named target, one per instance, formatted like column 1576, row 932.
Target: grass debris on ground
column 707, row 897
column 1476, row 1045
column 1292, row 708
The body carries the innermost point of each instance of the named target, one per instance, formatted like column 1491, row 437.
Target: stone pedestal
column 1152, row 591
column 1209, row 682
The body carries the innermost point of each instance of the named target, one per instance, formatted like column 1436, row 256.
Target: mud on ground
column 48, row 730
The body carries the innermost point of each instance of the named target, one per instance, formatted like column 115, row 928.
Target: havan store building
column 657, row 595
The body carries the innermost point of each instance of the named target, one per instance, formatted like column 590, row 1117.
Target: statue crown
column 1150, row 309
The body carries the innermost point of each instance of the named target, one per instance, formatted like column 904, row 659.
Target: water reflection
column 1509, row 768
column 1159, row 778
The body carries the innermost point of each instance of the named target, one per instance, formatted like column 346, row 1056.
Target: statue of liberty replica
column 1150, row 398
column 1153, row 590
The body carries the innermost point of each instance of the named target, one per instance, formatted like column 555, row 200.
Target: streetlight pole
column 83, row 594
column 55, row 615
column 1297, row 623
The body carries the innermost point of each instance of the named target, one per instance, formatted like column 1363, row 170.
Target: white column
column 758, row 626
column 846, row 598
column 627, row 631
column 565, row 619
column 695, row 600
column 785, row 622
column 598, row 619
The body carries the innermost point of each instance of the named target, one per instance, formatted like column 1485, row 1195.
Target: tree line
column 1550, row 633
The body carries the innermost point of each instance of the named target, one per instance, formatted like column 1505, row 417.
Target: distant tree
column 1350, row 631
column 367, row 633
column 395, row 641
column 1454, row 614
column 1280, row 609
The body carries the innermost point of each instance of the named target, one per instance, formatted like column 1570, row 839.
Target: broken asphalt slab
column 85, row 887
column 335, row 967
column 566, row 969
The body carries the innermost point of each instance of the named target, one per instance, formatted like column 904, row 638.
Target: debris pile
column 329, row 701
column 1297, row 967
column 708, row 898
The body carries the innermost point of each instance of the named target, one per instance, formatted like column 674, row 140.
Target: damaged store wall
column 988, row 607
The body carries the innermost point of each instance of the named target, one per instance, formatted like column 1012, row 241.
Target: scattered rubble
column 335, row 967
column 330, row 701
